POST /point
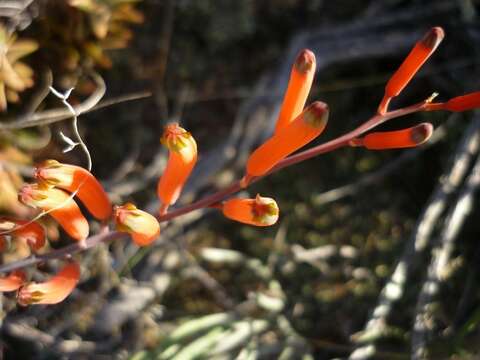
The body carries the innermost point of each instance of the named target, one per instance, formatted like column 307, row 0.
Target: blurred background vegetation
column 307, row 288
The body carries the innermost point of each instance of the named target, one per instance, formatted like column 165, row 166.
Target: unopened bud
column 142, row 226
column 261, row 211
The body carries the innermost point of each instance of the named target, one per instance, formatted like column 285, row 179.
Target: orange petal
column 13, row 281
column 404, row 138
column 299, row 85
column 142, row 226
column 59, row 205
column 182, row 159
column 305, row 128
column 464, row 102
column 32, row 233
column 75, row 178
column 52, row 291
column 261, row 211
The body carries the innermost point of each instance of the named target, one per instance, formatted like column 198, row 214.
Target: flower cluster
column 58, row 186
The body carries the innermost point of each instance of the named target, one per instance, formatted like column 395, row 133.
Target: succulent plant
column 15, row 76
column 106, row 26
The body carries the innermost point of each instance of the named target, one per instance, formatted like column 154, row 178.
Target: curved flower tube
column 405, row 138
column 261, row 211
column 299, row 85
column 13, row 281
column 182, row 159
column 142, row 226
column 52, row 291
column 75, row 178
column 59, row 205
column 305, row 128
column 31, row 232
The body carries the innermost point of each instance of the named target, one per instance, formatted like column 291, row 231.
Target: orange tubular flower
column 142, row 226
column 404, row 138
column 75, row 178
column 299, row 86
column 261, row 211
column 182, row 159
column 32, row 233
column 59, row 205
column 410, row 66
column 303, row 129
column 51, row 291
column 464, row 102
column 13, row 281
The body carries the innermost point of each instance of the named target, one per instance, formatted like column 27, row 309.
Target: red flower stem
column 294, row 159
column 383, row 107
column 345, row 139
column 222, row 194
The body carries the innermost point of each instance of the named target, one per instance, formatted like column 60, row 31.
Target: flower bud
column 59, row 205
column 261, row 211
column 13, row 281
column 182, row 159
column 52, row 291
column 75, row 178
column 464, row 102
column 31, row 232
column 415, row 59
column 404, row 138
column 410, row 66
column 299, row 85
column 305, row 128
column 142, row 226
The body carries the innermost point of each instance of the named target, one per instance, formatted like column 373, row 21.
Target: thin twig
column 54, row 115
column 120, row 99
column 40, row 94
column 64, row 98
